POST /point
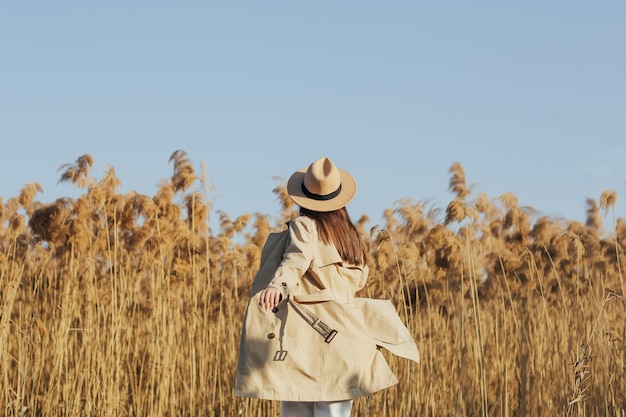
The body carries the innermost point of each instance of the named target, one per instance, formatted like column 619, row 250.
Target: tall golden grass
column 118, row 304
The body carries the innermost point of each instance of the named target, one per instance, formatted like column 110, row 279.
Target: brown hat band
column 320, row 197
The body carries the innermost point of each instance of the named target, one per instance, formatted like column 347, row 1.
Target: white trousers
column 316, row 409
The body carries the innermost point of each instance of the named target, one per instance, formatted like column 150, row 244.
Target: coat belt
column 318, row 325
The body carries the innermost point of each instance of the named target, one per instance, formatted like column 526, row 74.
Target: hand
column 269, row 298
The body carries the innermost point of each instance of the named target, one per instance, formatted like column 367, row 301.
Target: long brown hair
column 336, row 228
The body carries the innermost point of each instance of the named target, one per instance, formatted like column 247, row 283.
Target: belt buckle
column 330, row 336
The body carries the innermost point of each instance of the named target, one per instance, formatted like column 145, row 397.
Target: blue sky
column 530, row 97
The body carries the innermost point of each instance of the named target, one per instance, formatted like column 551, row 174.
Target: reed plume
column 184, row 175
column 27, row 196
column 458, row 182
column 458, row 210
column 78, row 173
column 608, row 200
column 594, row 219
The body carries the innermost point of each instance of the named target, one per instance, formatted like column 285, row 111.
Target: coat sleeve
column 298, row 255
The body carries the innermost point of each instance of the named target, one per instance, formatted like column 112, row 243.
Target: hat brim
column 347, row 193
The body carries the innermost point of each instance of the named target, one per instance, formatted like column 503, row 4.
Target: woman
column 306, row 340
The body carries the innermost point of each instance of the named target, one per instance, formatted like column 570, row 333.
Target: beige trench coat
column 286, row 354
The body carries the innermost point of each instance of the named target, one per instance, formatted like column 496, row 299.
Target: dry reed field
column 118, row 304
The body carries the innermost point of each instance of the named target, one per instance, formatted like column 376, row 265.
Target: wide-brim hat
column 322, row 186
